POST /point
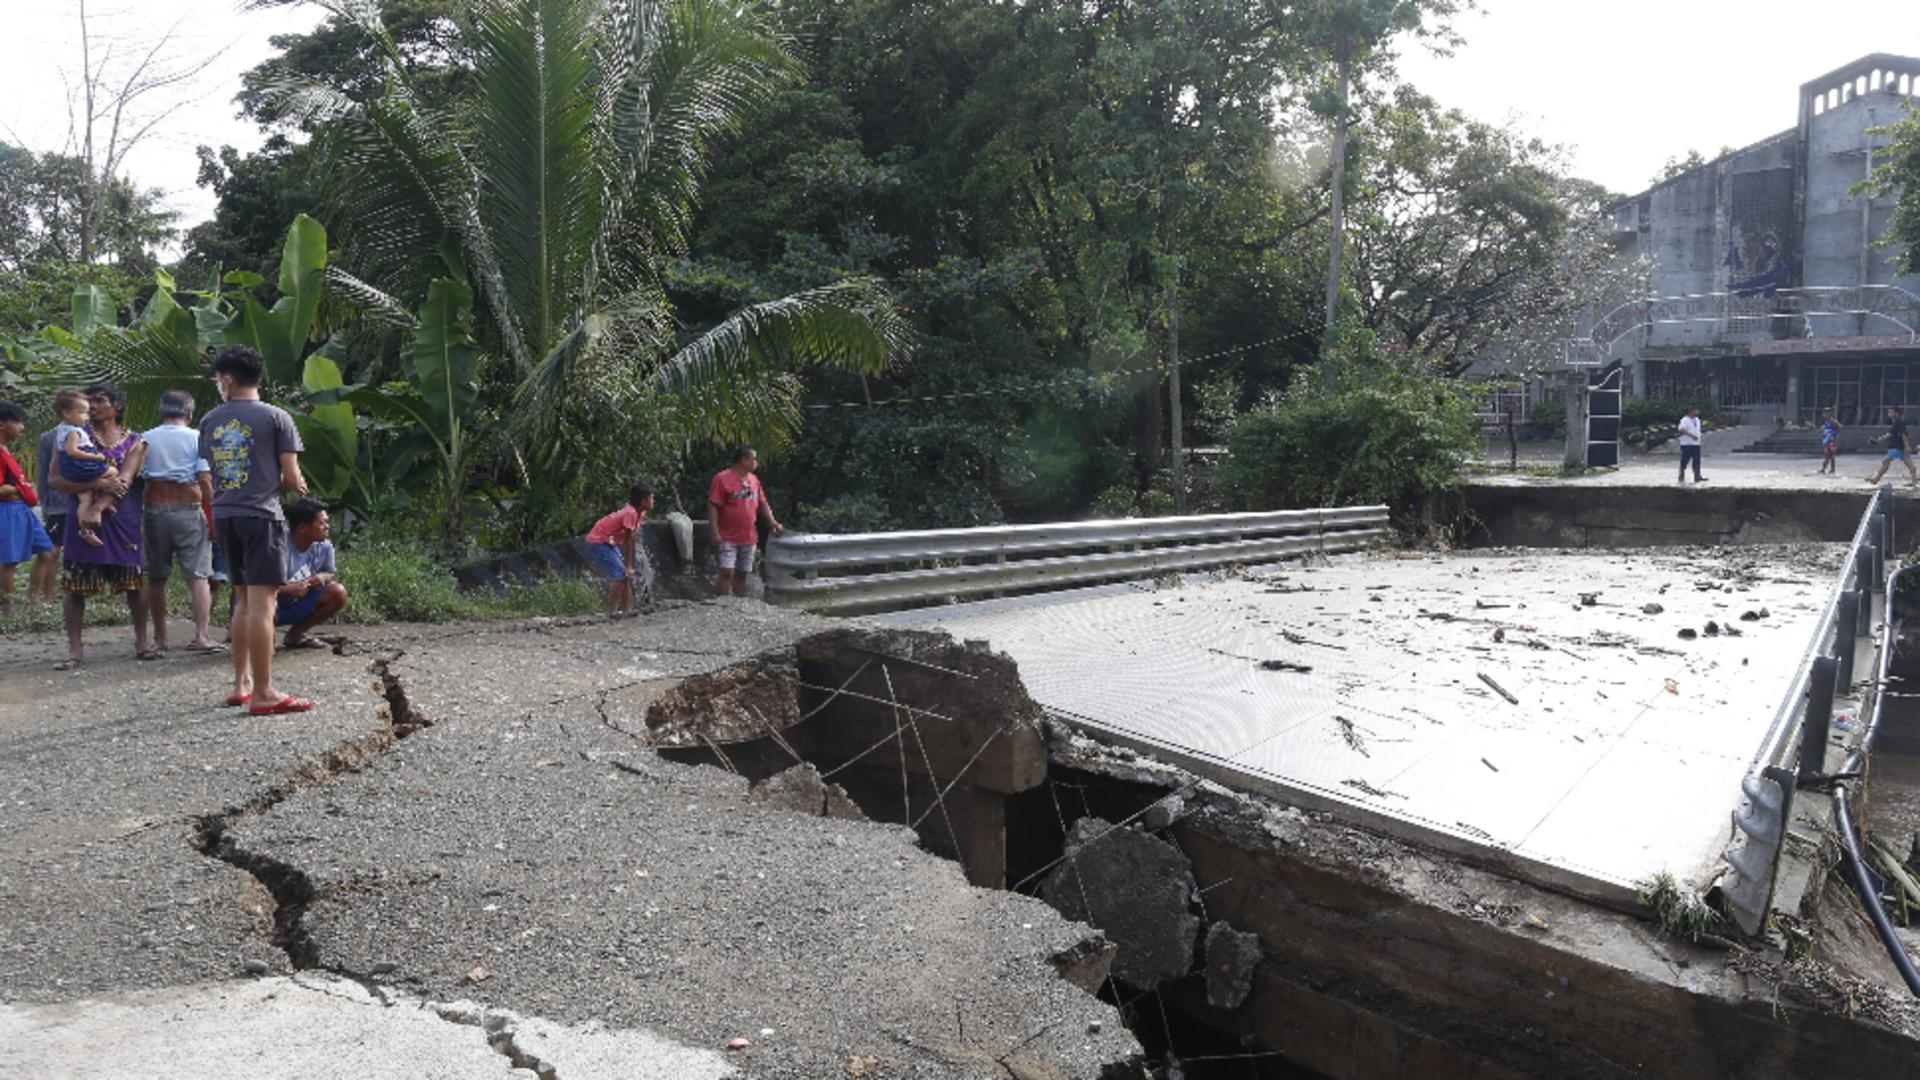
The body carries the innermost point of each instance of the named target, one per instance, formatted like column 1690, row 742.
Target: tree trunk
column 1175, row 417
column 1337, row 237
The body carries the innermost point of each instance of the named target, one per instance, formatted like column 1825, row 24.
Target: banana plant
column 434, row 406
column 280, row 334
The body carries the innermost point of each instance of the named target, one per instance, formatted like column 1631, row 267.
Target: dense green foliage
column 1897, row 174
column 1387, row 432
column 572, row 244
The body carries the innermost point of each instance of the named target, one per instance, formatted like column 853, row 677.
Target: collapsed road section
column 1248, row 925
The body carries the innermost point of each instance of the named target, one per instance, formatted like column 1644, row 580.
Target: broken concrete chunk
column 1086, row 963
column 1134, row 887
column 1231, row 957
column 743, row 701
column 1162, row 814
column 802, row 790
column 1651, row 609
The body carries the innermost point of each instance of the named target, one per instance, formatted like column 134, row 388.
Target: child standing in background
column 611, row 541
column 1829, row 441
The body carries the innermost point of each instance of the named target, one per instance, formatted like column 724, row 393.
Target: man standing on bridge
column 1899, row 447
column 1690, row 444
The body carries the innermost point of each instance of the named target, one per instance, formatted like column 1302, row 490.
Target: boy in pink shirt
column 735, row 505
column 611, row 541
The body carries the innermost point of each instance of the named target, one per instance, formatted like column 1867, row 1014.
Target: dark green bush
column 1397, row 437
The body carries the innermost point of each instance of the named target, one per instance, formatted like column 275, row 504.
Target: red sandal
column 239, row 699
column 288, row 704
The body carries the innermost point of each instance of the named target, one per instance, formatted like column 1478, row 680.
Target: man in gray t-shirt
column 241, row 441
column 253, row 452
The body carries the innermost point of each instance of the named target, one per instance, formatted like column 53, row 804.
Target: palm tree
column 560, row 190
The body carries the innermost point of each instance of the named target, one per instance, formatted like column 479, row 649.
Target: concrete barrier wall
column 1578, row 517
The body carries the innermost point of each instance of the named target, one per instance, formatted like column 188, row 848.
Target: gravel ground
column 523, row 851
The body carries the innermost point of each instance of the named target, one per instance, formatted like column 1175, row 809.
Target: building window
column 1873, row 84
column 1819, row 104
column 1906, row 84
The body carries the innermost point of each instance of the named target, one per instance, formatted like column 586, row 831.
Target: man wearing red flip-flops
column 253, row 450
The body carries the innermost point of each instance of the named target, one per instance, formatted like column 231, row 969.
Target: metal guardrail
column 1794, row 747
column 876, row 571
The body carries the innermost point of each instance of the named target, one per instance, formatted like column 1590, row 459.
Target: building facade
column 1772, row 298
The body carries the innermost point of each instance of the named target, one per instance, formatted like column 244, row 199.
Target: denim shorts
column 607, row 558
column 736, row 557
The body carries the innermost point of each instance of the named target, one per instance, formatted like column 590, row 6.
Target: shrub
column 400, row 581
column 1396, row 437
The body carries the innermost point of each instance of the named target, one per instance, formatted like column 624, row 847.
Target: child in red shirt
column 611, row 541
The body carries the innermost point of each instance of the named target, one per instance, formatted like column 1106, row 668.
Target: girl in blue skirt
column 21, row 535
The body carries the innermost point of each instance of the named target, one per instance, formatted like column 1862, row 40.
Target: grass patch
column 396, row 581
column 1679, row 913
column 389, row 581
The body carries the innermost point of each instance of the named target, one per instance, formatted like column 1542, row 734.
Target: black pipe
column 1850, row 855
column 1869, row 896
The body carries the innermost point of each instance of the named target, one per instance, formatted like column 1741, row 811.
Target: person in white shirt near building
column 1690, row 444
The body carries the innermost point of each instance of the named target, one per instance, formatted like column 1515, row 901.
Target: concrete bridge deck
column 1618, row 758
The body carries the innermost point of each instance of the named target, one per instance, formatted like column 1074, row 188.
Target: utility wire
column 1031, row 387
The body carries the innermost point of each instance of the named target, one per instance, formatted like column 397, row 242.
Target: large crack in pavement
column 289, row 886
column 292, row 889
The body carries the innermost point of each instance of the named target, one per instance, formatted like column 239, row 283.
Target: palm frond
column 370, row 303
column 850, row 325
column 679, row 74
column 538, row 192
column 145, row 363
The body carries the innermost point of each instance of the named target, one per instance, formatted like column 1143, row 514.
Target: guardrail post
column 1818, row 716
column 1876, row 581
column 1863, row 570
column 1846, row 629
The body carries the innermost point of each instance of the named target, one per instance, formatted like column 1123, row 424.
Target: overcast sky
column 40, row 59
column 1625, row 85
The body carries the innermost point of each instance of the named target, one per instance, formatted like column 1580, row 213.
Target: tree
column 1354, row 38
column 1896, row 175
column 123, row 96
column 560, row 190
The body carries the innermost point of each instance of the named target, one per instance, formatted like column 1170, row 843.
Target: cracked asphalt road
column 523, row 851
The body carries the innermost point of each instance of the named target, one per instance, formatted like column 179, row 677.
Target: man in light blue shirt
column 179, row 488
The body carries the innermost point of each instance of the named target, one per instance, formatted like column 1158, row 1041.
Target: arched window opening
column 1846, row 93
column 1819, row 104
column 1874, row 83
column 1860, row 85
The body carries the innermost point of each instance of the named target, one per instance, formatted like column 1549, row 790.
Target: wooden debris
column 1497, row 688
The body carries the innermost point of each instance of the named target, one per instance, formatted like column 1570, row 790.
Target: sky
column 1628, row 84
column 40, row 59
column 1623, row 86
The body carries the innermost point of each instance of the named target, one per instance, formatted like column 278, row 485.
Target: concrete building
column 1773, row 298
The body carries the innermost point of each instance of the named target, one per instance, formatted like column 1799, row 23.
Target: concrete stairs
column 1806, row 442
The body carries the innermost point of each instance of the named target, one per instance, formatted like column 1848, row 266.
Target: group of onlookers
column 119, row 509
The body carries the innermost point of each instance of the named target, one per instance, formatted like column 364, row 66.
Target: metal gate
column 1603, row 417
